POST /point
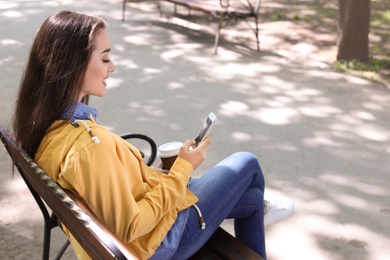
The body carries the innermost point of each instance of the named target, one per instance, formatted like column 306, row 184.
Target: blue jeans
column 234, row 188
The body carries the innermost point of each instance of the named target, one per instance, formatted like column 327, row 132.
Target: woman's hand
column 194, row 156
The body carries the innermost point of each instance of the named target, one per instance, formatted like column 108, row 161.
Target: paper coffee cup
column 168, row 153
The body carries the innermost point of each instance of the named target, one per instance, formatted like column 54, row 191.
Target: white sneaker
column 277, row 210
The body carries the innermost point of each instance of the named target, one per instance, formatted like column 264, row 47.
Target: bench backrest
column 96, row 240
column 252, row 6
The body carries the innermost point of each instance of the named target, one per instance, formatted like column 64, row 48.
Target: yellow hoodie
column 136, row 203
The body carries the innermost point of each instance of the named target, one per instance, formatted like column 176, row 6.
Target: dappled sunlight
column 358, row 81
column 340, row 127
column 305, row 92
column 373, row 133
column 168, row 55
column 10, row 42
column 126, row 64
column 234, row 69
column 241, row 137
column 322, row 137
column 278, row 83
column 269, row 89
column 179, row 40
column 279, row 101
column 324, row 74
column 8, row 5
column 320, row 206
column 379, row 98
column 342, row 131
column 188, row 46
column 246, row 88
column 364, row 115
column 15, row 184
column 303, row 234
column 117, row 48
column 233, row 108
column 151, row 108
column 348, row 119
column 13, row 14
column 17, row 188
column 175, row 85
column 225, row 54
column 352, row 201
column 345, row 181
column 6, row 60
column 140, row 39
column 151, row 70
column 318, row 219
column 275, row 116
column 185, row 23
column 317, row 111
column 197, row 59
column 356, row 244
column 347, row 192
column 113, row 82
column 276, row 103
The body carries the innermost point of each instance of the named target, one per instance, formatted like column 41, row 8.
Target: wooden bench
column 97, row 241
column 223, row 10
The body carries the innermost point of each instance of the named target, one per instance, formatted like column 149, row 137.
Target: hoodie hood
column 57, row 147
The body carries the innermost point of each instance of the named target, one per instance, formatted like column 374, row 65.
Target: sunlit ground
column 322, row 138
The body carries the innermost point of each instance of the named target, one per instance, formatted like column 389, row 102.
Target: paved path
column 322, row 137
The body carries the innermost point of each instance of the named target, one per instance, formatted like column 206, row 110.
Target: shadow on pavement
column 322, row 137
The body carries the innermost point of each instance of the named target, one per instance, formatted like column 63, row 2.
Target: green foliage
column 386, row 16
column 277, row 16
column 307, row 18
column 322, row 12
column 374, row 65
column 380, row 18
column 296, row 17
column 321, row 16
column 366, row 70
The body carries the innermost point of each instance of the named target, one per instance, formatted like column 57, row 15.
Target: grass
column 374, row 70
column 321, row 17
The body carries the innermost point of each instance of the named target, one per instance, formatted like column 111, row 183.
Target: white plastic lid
column 169, row 149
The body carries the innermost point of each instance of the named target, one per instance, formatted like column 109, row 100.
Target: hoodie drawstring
column 201, row 220
column 95, row 139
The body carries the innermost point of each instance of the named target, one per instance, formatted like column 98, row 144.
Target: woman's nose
column 111, row 67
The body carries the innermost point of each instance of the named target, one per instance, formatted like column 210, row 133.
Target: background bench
column 223, row 10
column 68, row 209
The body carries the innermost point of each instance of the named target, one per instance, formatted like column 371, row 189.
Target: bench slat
column 240, row 10
column 222, row 245
column 212, row 8
column 228, row 247
column 89, row 232
column 92, row 235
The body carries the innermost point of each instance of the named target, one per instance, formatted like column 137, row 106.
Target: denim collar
column 81, row 112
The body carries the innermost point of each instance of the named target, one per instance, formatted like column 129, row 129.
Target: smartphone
column 205, row 129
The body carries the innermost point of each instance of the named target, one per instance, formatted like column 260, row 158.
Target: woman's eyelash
column 106, row 61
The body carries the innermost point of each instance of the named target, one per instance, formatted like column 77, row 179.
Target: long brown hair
column 54, row 74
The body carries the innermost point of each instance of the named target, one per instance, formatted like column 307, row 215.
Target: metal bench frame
column 221, row 9
column 68, row 209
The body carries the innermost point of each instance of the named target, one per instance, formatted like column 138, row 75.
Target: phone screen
column 205, row 129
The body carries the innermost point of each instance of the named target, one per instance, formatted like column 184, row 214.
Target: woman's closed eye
column 106, row 61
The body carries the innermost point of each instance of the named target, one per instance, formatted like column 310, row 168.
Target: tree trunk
column 353, row 30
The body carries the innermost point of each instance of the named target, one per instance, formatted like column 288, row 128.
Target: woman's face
column 98, row 68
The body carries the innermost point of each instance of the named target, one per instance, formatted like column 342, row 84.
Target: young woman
column 155, row 215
